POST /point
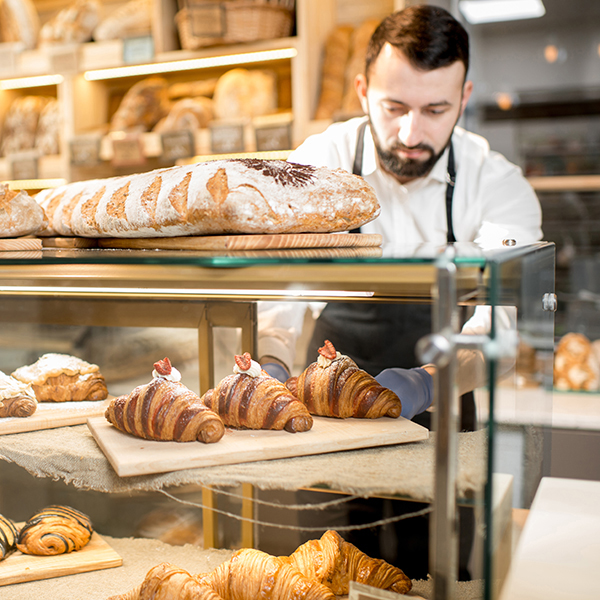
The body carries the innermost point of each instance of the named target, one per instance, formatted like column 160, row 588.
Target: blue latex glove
column 414, row 387
column 276, row 370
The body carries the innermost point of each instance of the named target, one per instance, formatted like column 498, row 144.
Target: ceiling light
column 489, row 11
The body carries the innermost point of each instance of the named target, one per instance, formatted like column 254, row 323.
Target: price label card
column 226, row 139
column 128, row 151
column 65, row 59
column 85, row 151
column 25, row 167
column 274, row 137
column 178, row 144
column 360, row 591
column 138, row 50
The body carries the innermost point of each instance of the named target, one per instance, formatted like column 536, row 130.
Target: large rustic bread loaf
column 19, row 213
column 222, row 196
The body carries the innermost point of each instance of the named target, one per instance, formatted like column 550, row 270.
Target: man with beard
column 436, row 183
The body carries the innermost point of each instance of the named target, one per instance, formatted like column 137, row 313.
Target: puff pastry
column 334, row 386
column 251, row 399
column 55, row 530
column 165, row 410
column 16, row 398
column 8, row 536
column 63, row 378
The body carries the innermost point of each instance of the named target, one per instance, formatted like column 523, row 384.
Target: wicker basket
column 203, row 24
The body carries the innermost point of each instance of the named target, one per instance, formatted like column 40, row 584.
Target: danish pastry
column 16, row 398
column 8, row 536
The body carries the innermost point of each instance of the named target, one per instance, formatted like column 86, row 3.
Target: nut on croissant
column 251, row 574
column 250, row 398
column 167, row 582
column 63, row 378
column 55, row 530
column 16, row 398
column 8, row 536
column 335, row 562
column 334, row 386
column 165, row 410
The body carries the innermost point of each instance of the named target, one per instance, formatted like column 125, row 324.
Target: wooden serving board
column 247, row 242
column 130, row 455
column 49, row 415
column 69, row 242
column 24, row 243
column 96, row 554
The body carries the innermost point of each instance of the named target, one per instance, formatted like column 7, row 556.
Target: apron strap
column 450, row 177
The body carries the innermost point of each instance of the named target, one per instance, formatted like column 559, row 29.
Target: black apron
column 378, row 336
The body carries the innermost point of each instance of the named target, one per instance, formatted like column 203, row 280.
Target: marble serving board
column 130, row 455
column 96, row 554
column 49, row 415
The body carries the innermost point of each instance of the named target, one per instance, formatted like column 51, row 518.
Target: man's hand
column 414, row 387
column 275, row 368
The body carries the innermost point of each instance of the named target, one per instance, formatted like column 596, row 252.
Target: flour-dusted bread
column 19, row 22
column 20, row 214
column 215, row 197
column 74, row 23
column 132, row 19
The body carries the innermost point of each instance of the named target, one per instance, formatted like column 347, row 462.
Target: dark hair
column 429, row 36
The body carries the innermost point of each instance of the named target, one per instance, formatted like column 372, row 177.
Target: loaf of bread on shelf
column 575, row 364
column 21, row 124
column 19, row 22
column 334, row 386
column 188, row 113
column 168, row 582
column 165, row 410
column 251, row 399
column 335, row 562
column 73, row 24
column 245, row 93
column 8, row 536
column 336, row 53
column 17, row 399
column 142, row 106
column 63, row 378
column 20, row 214
column 55, row 530
column 214, row 197
column 132, row 19
column 47, row 135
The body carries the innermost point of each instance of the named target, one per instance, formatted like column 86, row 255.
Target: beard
column 406, row 168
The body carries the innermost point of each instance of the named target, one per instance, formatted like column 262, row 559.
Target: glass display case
column 125, row 309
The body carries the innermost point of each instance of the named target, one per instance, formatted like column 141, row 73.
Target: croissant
column 251, row 574
column 165, row 409
column 166, row 582
column 334, row 386
column 335, row 562
column 250, row 398
column 63, row 378
column 8, row 536
column 55, row 530
column 16, row 398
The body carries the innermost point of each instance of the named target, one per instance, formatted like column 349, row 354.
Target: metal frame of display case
column 201, row 291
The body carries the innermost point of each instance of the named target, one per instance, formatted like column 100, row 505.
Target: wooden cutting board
column 49, row 415
column 247, row 242
column 96, row 554
column 130, row 455
column 24, row 243
column 69, row 242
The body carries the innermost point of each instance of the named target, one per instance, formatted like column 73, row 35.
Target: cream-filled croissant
column 16, row 398
column 250, row 398
column 334, row 386
column 63, row 378
column 165, row 410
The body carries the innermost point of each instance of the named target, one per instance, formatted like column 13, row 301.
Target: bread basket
column 205, row 23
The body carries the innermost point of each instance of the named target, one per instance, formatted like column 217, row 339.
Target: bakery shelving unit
column 85, row 104
column 62, row 288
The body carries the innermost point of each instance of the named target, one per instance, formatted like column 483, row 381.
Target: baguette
column 216, row 197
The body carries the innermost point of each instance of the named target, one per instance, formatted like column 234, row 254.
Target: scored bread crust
column 217, row 197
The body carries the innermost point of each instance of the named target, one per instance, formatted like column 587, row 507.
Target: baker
column 436, row 184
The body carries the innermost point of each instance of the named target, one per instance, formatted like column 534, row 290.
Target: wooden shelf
column 566, row 183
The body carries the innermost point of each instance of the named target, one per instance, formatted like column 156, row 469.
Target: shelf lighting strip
column 29, row 82
column 191, row 63
column 170, row 292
